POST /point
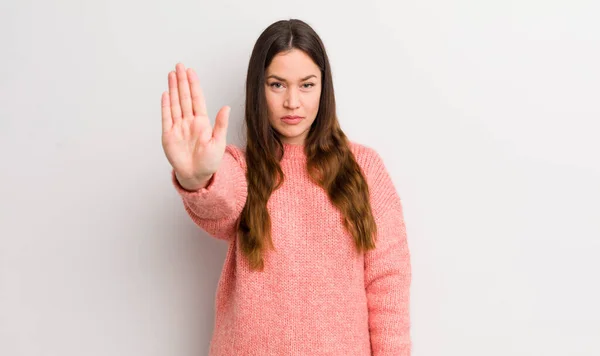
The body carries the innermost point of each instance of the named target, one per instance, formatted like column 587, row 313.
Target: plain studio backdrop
column 485, row 112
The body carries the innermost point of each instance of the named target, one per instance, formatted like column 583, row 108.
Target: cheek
column 313, row 102
column 271, row 102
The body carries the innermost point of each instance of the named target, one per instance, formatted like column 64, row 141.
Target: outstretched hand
column 193, row 148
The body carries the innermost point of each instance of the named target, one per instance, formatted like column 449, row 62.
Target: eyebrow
column 283, row 80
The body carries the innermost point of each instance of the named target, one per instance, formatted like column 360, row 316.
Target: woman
column 318, row 262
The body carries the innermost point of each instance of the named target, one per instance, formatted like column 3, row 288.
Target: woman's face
column 292, row 87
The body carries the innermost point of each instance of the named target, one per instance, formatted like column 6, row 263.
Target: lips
column 291, row 117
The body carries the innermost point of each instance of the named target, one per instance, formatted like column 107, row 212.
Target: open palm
column 192, row 146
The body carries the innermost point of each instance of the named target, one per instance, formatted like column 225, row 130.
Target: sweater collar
column 293, row 151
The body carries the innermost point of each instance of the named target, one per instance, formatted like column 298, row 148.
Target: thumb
column 221, row 123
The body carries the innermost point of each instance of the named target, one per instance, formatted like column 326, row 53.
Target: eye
column 311, row 85
column 274, row 83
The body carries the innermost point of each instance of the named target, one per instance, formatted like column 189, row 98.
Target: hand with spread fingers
column 193, row 147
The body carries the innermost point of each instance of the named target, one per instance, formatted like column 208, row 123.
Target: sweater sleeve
column 387, row 268
column 217, row 207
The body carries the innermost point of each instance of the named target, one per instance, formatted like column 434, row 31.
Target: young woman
column 318, row 261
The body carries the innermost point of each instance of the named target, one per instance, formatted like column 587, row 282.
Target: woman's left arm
column 388, row 269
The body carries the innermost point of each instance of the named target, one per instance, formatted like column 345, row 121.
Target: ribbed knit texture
column 316, row 295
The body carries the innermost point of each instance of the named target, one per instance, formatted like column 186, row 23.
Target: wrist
column 193, row 184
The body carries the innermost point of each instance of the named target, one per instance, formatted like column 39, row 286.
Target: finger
column 173, row 94
column 198, row 102
column 221, row 123
column 167, row 120
column 184, row 92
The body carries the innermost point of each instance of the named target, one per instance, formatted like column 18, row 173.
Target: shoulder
column 382, row 188
column 369, row 160
column 235, row 149
column 236, row 153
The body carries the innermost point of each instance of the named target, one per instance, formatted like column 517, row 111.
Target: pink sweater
column 316, row 296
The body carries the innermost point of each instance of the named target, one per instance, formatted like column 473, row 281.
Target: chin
column 292, row 134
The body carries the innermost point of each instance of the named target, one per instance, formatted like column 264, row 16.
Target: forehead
column 293, row 65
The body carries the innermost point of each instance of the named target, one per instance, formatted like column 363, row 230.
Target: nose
column 292, row 100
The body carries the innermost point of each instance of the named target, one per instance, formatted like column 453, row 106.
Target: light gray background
column 485, row 112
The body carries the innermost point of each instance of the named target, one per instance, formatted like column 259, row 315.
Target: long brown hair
column 330, row 162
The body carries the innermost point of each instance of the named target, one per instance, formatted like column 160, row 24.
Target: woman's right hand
column 193, row 148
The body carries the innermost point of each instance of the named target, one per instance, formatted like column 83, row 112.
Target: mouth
column 292, row 119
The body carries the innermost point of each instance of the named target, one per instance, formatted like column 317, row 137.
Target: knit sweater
column 316, row 295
